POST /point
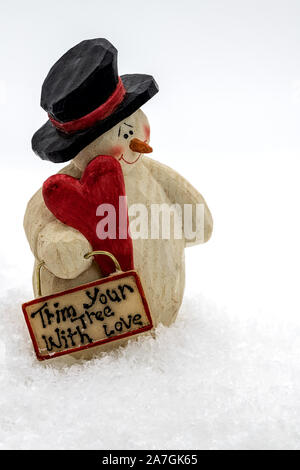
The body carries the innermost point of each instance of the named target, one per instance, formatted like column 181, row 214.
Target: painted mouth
column 129, row 163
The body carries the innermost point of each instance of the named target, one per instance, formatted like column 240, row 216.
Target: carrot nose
column 138, row 145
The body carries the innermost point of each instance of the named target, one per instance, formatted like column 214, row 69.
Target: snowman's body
column 159, row 262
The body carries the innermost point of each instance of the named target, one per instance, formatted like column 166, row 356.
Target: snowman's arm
column 180, row 191
column 61, row 247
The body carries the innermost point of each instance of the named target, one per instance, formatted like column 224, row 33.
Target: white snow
column 210, row 381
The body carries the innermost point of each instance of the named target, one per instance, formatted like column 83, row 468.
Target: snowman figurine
column 92, row 111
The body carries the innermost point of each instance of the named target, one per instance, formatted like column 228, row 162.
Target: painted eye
column 130, row 132
column 125, row 136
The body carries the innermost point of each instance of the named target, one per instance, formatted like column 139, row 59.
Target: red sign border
column 75, row 289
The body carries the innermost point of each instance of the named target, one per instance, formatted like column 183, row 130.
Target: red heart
column 74, row 202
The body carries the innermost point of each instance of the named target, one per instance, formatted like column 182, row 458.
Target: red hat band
column 98, row 114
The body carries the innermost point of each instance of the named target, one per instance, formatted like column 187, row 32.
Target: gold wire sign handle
column 106, row 310
column 86, row 256
column 107, row 253
column 38, row 277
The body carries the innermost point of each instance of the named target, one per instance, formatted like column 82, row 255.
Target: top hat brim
column 56, row 146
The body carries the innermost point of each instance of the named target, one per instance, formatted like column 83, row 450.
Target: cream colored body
column 160, row 263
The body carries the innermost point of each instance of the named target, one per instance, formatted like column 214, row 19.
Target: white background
column 227, row 118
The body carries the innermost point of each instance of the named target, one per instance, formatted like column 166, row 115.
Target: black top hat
column 85, row 97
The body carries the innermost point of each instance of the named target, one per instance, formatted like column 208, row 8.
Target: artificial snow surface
column 210, row 382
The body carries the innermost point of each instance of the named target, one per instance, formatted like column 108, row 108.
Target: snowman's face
column 127, row 142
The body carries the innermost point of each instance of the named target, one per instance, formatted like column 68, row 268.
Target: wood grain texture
column 159, row 262
column 75, row 203
column 88, row 316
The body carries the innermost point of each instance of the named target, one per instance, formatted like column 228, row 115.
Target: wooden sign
column 89, row 315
